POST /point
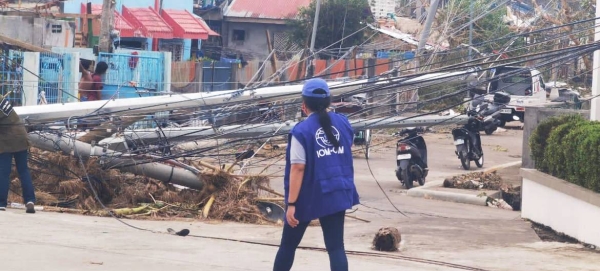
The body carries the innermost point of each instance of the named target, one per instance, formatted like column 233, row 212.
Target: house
column 246, row 22
column 166, row 26
column 382, row 8
column 38, row 31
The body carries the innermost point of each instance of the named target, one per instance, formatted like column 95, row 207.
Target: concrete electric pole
column 471, row 30
column 595, row 110
column 107, row 26
column 425, row 34
column 310, row 68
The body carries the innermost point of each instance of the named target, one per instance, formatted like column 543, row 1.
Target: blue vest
column 328, row 183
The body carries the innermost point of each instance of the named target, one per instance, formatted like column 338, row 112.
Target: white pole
column 310, row 66
column 471, row 30
column 315, row 27
column 595, row 109
column 31, row 80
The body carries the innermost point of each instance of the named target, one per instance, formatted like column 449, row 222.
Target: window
column 175, row 48
column 239, row 35
column 56, row 28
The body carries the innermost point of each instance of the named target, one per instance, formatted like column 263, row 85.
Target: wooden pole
column 89, row 24
column 273, row 57
column 108, row 12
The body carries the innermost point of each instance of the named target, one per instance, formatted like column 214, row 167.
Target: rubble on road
column 511, row 196
column 387, row 239
column 62, row 184
column 499, row 203
column 475, row 181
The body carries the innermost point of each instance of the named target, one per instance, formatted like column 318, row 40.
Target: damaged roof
column 265, row 9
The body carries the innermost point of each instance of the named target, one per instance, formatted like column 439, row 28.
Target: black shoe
column 30, row 208
column 2, row 208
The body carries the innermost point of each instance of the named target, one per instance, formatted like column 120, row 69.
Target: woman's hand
column 289, row 215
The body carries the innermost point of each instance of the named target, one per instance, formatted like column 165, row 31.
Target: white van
column 525, row 86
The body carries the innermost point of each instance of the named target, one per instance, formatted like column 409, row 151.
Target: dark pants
column 24, row 176
column 333, row 233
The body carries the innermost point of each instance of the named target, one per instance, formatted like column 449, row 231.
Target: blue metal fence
column 11, row 75
column 55, row 74
column 146, row 71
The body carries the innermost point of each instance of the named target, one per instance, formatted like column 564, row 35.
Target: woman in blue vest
column 319, row 178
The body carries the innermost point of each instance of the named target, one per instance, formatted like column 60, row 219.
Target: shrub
column 537, row 140
column 568, row 147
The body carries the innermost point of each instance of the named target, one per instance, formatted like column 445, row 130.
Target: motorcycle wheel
column 422, row 181
column 408, row 183
column 464, row 160
column 479, row 162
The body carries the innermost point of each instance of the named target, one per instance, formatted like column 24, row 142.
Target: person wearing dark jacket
column 319, row 178
column 14, row 144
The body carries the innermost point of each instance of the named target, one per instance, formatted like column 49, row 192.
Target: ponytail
column 319, row 106
column 325, row 122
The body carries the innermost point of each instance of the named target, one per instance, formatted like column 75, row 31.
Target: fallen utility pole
column 151, row 136
column 111, row 159
column 150, row 105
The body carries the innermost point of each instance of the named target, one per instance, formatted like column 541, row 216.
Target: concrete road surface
column 472, row 236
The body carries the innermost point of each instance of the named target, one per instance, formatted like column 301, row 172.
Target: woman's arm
column 296, row 176
column 298, row 161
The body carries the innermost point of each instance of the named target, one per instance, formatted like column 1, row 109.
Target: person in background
column 91, row 83
column 85, row 83
column 319, row 178
column 14, row 144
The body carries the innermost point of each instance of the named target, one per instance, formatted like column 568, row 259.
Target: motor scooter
column 411, row 157
column 467, row 138
column 480, row 105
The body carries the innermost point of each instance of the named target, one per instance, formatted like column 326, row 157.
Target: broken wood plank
column 24, row 45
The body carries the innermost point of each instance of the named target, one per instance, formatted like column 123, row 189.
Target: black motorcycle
column 411, row 157
column 467, row 138
column 480, row 105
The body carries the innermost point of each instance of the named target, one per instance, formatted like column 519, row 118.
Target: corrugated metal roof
column 184, row 24
column 148, row 20
column 265, row 9
column 205, row 25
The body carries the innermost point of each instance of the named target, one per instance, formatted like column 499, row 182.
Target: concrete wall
column 38, row 31
column 255, row 42
column 563, row 206
column 533, row 117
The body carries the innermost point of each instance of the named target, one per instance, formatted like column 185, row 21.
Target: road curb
column 448, row 196
column 424, row 192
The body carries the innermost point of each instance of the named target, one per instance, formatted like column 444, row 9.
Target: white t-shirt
column 297, row 153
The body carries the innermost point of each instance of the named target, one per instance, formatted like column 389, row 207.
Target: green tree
column 488, row 24
column 337, row 19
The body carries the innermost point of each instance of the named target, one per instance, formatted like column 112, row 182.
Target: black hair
column 101, row 68
column 319, row 106
column 86, row 63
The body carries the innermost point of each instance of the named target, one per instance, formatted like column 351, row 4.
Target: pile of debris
column 511, row 196
column 65, row 184
column 475, row 181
